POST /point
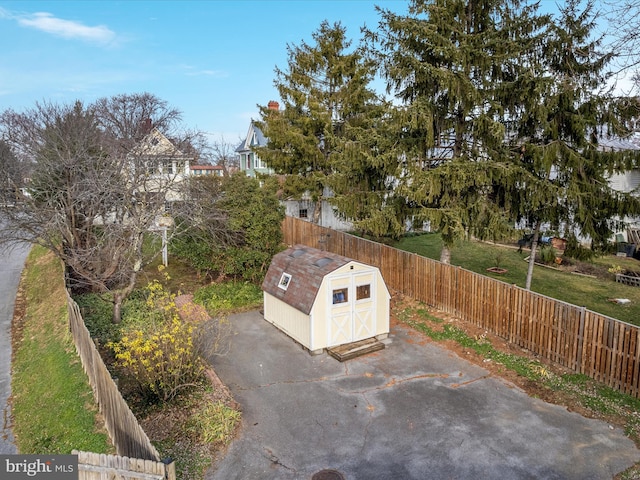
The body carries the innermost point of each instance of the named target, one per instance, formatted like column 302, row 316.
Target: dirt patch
column 172, row 426
column 189, row 311
column 17, row 324
column 585, row 268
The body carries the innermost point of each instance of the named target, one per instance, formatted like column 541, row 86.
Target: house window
column 166, row 166
column 258, row 162
column 148, row 167
column 284, row 281
column 363, row 292
column 303, row 213
column 340, row 295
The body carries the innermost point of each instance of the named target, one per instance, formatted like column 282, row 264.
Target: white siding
column 291, row 321
column 625, row 182
column 321, row 312
column 328, row 216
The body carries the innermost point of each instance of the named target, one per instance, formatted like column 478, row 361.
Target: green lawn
column 592, row 293
column 53, row 406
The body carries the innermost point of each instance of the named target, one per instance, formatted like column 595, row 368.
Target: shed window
column 284, row 281
column 303, row 213
column 341, row 295
column 363, row 291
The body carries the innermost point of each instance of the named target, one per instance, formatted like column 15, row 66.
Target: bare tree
column 623, row 28
column 200, row 217
column 96, row 188
column 223, row 153
column 13, row 175
column 129, row 117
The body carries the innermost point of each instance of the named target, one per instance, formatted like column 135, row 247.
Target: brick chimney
column 273, row 105
column 146, row 126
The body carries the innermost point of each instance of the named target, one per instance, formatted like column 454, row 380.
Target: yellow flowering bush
column 161, row 358
column 615, row 269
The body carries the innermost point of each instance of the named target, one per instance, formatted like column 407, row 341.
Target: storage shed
column 323, row 300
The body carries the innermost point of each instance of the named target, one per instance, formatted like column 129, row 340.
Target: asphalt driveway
column 410, row 411
column 11, row 265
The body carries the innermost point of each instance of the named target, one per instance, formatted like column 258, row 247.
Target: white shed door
column 352, row 307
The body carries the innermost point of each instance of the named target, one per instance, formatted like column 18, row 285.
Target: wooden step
column 355, row 349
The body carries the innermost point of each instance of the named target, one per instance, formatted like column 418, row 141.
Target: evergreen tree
column 328, row 136
column 558, row 141
column 454, row 64
column 365, row 172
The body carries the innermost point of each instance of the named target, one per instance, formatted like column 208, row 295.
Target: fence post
column 580, row 359
column 170, row 471
column 457, row 291
column 512, row 309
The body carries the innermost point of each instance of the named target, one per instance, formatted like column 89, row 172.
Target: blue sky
column 213, row 60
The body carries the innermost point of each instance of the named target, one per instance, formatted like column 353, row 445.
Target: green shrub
column 214, row 423
column 577, row 251
column 242, row 262
column 196, row 250
column 548, row 255
column 139, row 312
column 98, row 317
column 228, row 297
column 240, row 233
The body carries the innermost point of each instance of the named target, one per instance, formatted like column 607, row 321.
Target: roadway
column 11, row 265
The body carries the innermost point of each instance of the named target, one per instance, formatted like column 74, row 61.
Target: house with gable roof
column 166, row 165
column 251, row 164
column 158, row 165
column 626, row 182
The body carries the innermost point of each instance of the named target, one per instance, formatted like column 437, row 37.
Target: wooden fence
column 123, row 427
column 601, row 347
column 93, row 466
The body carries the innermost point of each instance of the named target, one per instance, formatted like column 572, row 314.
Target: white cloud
column 209, row 73
column 48, row 23
column 191, row 71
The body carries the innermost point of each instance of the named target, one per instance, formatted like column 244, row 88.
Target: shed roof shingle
column 307, row 267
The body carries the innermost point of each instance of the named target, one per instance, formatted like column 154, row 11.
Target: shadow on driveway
column 411, row 411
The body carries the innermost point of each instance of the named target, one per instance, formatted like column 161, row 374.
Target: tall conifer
column 560, row 133
column 327, row 137
column 454, row 66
